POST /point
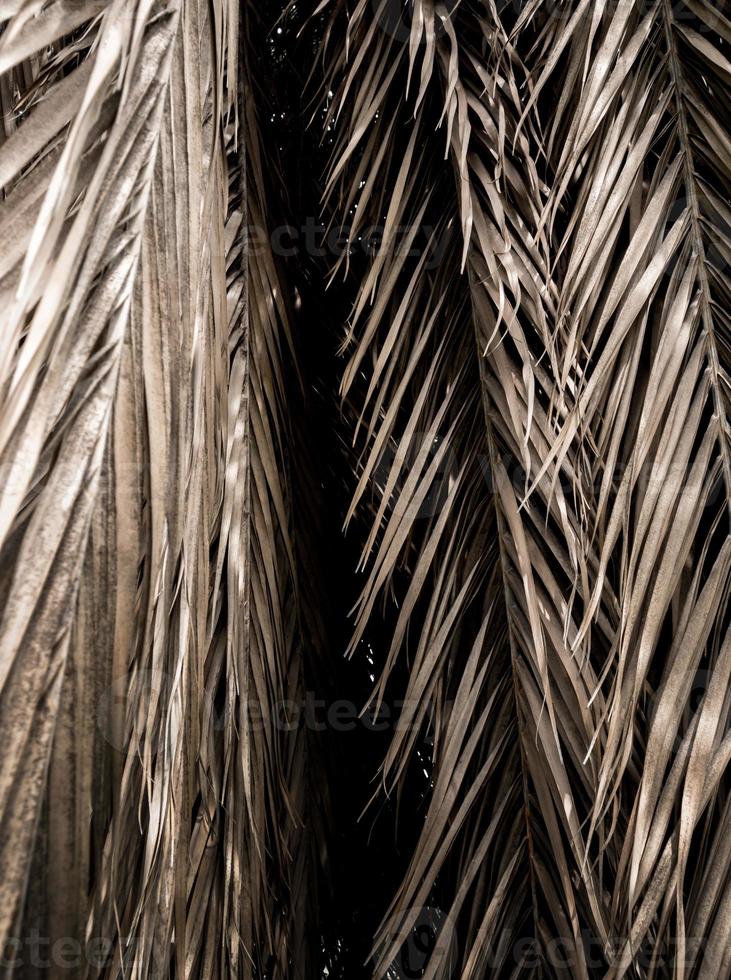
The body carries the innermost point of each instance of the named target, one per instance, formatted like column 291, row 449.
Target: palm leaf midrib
column 678, row 82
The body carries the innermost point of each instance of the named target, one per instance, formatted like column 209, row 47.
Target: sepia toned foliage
column 529, row 443
column 149, row 565
column 573, row 343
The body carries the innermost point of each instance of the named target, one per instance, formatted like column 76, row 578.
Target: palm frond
column 536, row 383
column 145, row 424
column 562, row 189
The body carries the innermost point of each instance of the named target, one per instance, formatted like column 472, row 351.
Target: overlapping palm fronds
column 535, row 376
column 589, row 160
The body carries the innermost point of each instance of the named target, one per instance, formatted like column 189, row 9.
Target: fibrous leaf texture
column 528, row 325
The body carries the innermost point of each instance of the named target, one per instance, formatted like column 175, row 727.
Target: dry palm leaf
column 537, row 380
column 588, row 159
column 149, row 569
